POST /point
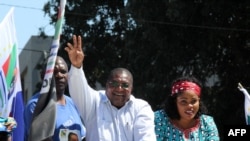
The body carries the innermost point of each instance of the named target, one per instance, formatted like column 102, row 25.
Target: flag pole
column 53, row 49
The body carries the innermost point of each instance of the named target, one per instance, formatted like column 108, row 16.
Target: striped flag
column 246, row 103
column 11, row 99
column 44, row 116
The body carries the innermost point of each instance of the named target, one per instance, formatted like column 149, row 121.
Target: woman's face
column 188, row 104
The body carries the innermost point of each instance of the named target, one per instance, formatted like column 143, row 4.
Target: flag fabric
column 246, row 103
column 11, row 98
column 43, row 125
column 44, row 115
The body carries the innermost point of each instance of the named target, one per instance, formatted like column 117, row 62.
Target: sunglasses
column 116, row 84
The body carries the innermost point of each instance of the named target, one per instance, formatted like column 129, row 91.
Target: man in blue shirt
column 67, row 115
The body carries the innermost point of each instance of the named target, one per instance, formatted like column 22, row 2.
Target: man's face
column 119, row 88
column 61, row 74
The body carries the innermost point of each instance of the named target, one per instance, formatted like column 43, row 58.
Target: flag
column 11, row 97
column 44, row 116
column 43, row 124
column 246, row 103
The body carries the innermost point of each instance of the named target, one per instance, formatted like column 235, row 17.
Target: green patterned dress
column 205, row 130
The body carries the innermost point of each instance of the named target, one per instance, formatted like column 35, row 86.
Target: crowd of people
column 115, row 114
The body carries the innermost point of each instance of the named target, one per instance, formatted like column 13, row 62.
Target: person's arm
column 82, row 94
column 144, row 128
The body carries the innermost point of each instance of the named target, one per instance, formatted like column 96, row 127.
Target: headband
column 185, row 85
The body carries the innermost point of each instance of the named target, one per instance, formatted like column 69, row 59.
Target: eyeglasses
column 116, row 84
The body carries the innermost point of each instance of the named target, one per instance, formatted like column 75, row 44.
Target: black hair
column 71, row 133
column 119, row 70
column 170, row 105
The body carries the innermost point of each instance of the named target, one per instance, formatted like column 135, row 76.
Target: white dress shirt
column 104, row 122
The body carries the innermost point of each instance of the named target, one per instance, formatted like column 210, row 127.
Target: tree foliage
column 161, row 40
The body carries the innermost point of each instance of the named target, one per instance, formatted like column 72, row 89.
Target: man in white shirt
column 113, row 114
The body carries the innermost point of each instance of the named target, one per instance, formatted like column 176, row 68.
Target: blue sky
column 28, row 16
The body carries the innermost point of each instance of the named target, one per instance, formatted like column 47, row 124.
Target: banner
column 246, row 103
column 11, row 99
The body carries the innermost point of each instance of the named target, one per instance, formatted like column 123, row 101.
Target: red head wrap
column 185, row 85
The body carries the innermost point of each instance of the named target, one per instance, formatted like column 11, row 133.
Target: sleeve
column 159, row 122
column 82, row 94
column 211, row 128
column 144, row 124
column 28, row 112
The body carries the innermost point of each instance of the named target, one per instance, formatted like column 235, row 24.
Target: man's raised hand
column 75, row 52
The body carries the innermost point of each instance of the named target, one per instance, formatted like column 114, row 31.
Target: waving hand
column 75, row 52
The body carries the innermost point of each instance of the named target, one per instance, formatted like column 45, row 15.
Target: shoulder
column 207, row 120
column 31, row 104
column 160, row 115
column 33, row 99
column 69, row 100
column 208, row 126
column 206, row 117
column 140, row 107
column 159, row 112
column 138, row 101
column 67, row 97
column 139, row 104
